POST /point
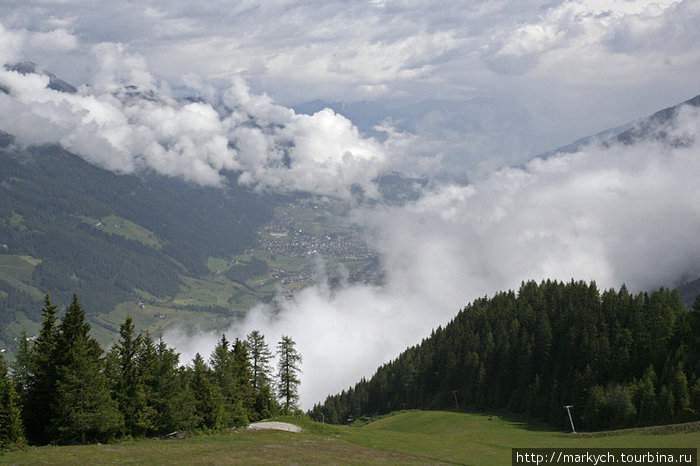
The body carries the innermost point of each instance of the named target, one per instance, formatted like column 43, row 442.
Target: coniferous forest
column 63, row 388
column 621, row 360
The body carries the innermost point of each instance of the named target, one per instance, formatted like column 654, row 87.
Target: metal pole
column 568, row 410
column 454, row 392
column 323, row 419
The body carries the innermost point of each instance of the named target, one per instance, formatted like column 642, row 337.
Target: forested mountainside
column 620, row 359
column 58, row 217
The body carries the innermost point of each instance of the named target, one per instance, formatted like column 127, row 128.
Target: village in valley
column 313, row 229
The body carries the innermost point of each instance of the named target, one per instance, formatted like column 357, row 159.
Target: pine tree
column 259, row 355
column 84, row 409
column 243, row 375
column 169, row 394
column 225, row 375
column 11, row 432
column 207, row 396
column 38, row 409
column 129, row 387
column 287, row 375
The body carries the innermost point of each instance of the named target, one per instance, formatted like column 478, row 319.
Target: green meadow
column 408, row 437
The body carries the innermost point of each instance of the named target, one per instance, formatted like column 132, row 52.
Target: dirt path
column 275, row 426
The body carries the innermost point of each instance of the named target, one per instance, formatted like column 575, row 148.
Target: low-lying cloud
column 610, row 213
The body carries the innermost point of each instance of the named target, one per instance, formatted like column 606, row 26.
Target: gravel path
column 275, row 426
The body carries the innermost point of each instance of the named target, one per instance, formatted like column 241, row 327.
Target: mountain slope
column 653, row 127
column 162, row 250
column 55, row 211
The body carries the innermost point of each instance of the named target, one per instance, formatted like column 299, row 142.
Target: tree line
column 63, row 389
column 621, row 360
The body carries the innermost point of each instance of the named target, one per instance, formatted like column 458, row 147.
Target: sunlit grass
column 412, row 437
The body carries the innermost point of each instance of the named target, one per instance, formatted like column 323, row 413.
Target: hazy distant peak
column 656, row 127
column 55, row 83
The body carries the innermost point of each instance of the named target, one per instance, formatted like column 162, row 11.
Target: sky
column 473, row 90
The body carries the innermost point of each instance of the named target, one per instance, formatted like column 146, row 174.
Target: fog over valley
column 328, row 98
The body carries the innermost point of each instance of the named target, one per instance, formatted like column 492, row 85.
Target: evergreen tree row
column 63, row 389
column 621, row 360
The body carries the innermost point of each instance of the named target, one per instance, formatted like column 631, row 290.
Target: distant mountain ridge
column 644, row 128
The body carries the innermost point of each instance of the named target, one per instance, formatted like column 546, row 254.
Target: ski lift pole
column 568, row 410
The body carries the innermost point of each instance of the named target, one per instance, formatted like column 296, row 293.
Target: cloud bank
column 126, row 121
column 575, row 66
column 610, row 213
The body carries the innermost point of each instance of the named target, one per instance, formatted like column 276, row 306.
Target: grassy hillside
column 412, row 437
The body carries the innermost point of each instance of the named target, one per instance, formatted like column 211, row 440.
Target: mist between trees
column 63, row 388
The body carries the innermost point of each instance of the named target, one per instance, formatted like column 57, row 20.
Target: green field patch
column 217, row 265
column 115, row 225
column 18, row 267
column 155, row 319
column 105, row 327
column 17, row 271
column 319, row 219
column 16, row 220
column 207, row 292
column 21, row 323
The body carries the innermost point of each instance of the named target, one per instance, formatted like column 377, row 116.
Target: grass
column 409, row 437
column 115, row 225
column 17, row 270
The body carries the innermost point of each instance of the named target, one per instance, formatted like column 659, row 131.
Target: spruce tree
column 38, row 409
column 259, row 355
column 288, row 374
column 83, row 408
column 129, row 387
column 225, row 374
column 207, row 396
column 243, row 375
column 11, row 431
column 169, row 394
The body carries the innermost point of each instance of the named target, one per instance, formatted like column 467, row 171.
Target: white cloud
column 126, row 121
column 53, row 41
column 11, row 43
column 115, row 68
column 618, row 214
column 568, row 63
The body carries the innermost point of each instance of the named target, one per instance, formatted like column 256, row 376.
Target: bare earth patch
column 274, row 426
